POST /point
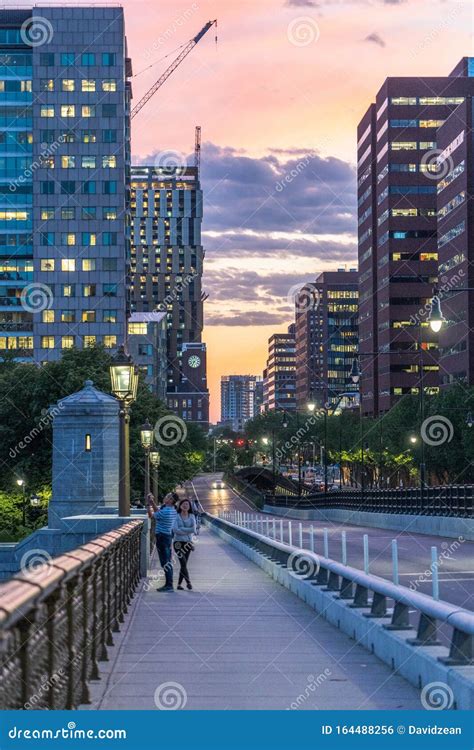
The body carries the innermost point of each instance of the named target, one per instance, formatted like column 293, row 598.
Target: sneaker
column 166, row 588
column 189, row 587
column 180, row 588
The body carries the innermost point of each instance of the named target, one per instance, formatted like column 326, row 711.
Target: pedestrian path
column 239, row 640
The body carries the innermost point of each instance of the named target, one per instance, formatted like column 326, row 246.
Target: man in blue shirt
column 164, row 520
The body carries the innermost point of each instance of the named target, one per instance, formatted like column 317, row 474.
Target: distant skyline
column 278, row 101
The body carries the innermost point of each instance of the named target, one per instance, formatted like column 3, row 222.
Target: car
column 218, row 485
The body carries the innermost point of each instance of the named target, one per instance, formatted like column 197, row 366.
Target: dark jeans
column 183, row 550
column 163, row 545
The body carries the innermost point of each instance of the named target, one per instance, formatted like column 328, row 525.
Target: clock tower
column 191, row 400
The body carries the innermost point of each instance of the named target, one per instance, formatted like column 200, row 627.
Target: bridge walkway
column 239, row 640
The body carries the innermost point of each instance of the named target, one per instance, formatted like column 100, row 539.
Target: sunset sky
column 278, row 98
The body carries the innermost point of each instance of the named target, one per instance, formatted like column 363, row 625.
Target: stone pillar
column 85, row 454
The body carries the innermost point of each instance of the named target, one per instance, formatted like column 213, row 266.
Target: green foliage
column 387, row 449
column 26, row 393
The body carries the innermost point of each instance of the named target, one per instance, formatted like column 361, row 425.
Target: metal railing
column 365, row 591
column 451, row 500
column 57, row 621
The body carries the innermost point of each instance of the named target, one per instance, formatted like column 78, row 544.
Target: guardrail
column 452, row 500
column 57, row 620
column 365, row 591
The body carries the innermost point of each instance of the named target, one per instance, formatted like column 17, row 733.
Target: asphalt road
column 456, row 557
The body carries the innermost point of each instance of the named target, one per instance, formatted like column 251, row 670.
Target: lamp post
column 155, row 462
column 21, row 483
column 124, row 380
column 146, row 439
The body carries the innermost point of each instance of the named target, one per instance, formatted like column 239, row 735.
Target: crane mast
column 176, row 62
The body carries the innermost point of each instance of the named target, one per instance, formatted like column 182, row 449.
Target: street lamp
column 124, row 380
column 146, row 439
column 436, row 317
column 21, row 483
column 469, row 420
column 155, row 462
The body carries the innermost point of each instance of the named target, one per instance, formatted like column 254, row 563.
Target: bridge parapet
column 407, row 634
column 57, row 620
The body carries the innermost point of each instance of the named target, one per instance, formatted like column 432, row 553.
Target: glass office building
column 64, row 163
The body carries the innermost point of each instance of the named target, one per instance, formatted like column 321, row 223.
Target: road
column 456, row 567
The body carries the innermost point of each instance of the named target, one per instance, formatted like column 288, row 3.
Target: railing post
column 326, row 543
column 366, row 554
column 344, row 548
column 290, row 535
column 395, row 562
column 311, row 539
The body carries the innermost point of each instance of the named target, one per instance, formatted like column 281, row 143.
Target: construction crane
column 184, row 53
column 197, row 148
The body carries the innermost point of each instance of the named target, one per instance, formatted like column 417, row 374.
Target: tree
column 27, row 392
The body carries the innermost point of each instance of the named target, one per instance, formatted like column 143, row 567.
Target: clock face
column 194, row 361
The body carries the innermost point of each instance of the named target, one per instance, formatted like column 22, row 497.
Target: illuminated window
column 68, row 316
column 88, row 290
column 67, row 84
column 137, row 328
column 89, row 238
column 68, row 238
column 109, row 162
column 47, row 111
column 87, row 443
column 88, row 85
column 68, row 110
column 47, row 84
column 110, row 341
column 88, row 316
column 110, row 84
column 68, row 290
column 47, row 213
column 109, row 213
column 88, row 162
column 109, row 316
column 47, row 342
column 431, row 123
column 89, row 136
column 88, row 264
column 47, row 316
column 88, row 110
column 47, row 264
column 89, row 341
column 68, row 162
column 68, row 264
column 67, row 342
column 403, row 145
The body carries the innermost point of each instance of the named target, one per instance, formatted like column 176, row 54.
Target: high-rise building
column 239, row 399
column 455, row 244
column 280, row 376
column 397, row 155
column 147, row 345
column 326, row 332
column 166, row 270
column 64, row 130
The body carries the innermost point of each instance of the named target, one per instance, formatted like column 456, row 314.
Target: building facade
column 64, row 132
column 241, row 396
column 147, row 345
column 455, row 245
column 398, row 234
column 166, row 270
column 279, row 389
column 326, row 333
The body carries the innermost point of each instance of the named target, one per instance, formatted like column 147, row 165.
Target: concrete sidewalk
column 238, row 641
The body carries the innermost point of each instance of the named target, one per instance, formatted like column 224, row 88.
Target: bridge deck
column 239, row 641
